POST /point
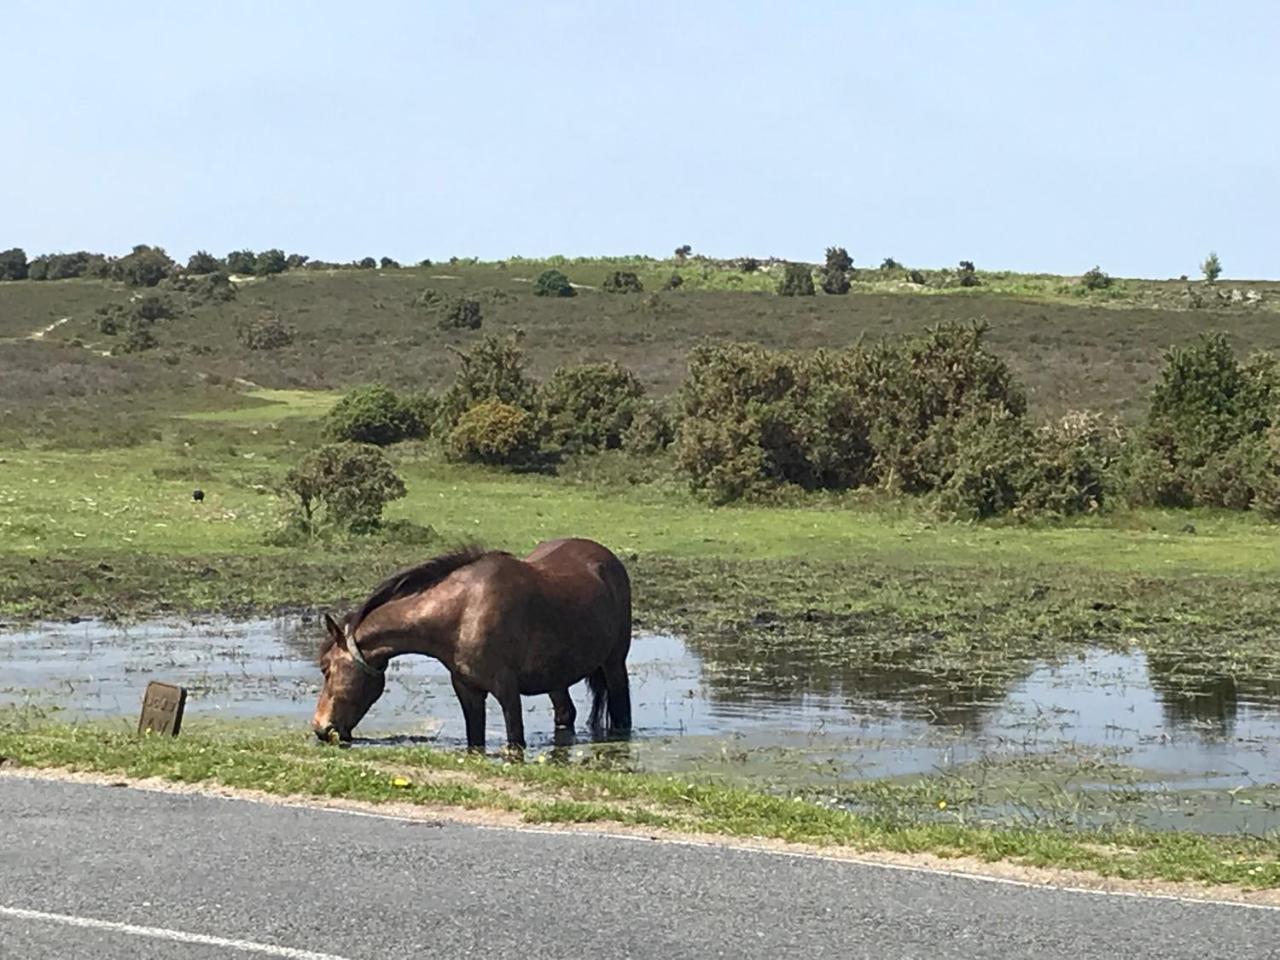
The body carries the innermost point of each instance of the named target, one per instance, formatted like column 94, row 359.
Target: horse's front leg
column 507, row 692
column 472, row 700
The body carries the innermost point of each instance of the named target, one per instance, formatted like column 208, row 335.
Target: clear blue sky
column 1026, row 135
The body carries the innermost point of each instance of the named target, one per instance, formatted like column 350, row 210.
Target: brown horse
column 501, row 626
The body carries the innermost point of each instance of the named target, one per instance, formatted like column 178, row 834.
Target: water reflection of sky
column 873, row 723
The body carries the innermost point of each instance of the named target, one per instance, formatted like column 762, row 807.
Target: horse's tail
column 599, row 697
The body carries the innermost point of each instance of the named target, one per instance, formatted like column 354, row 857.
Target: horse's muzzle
column 330, row 733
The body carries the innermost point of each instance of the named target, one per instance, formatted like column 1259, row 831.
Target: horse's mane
column 407, row 582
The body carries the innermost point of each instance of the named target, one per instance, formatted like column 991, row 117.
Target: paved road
column 178, row 876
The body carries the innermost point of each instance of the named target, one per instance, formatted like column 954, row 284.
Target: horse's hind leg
column 619, row 701
column 565, row 712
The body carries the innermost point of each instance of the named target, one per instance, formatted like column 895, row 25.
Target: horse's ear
column 331, row 625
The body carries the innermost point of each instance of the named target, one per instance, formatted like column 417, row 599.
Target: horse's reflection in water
column 501, row 626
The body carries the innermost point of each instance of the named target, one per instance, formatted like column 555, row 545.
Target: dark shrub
column 797, row 281
column 242, row 262
column 888, row 265
column 967, row 275
column 674, row 282
column 1095, row 279
column 296, row 261
column 493, row 432
column 374, row 414
column 589, row 406
column 368, row 263
column 137, row 339
column 154, row 306
column 13, row 264
column 386, row 263
column 835, row 282
column 265, row 332
column 38, row 269
column 917, row 277
column 144, row 267
column 748, row 264
column 838, row 259
column 991, row 453
column 683, row 252
column 203, row 262
column 553, row 283
column 622, row 281
column 344, row 487
column 494, row 370
column 461, row 313
column 425, row 262
column 63, row 266
column 270, row 262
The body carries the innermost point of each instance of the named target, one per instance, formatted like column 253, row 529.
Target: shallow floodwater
column 1102, row 725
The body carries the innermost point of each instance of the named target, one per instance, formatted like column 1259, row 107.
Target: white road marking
column 174, row 936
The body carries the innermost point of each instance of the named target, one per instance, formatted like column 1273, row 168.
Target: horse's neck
column 418, row 624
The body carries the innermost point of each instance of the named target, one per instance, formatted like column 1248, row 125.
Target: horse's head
column 351, row 684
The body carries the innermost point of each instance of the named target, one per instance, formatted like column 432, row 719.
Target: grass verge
column 569, row 790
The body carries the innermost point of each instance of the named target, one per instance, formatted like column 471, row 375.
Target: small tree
column 838, row 259
column 296, row 261
column 968, row 274
column 243, row 262
column 889, row 264
column 270, row 262
column 342, row 486
column 368, row 263
column 1212, row 267
column 748, row 264
column 622, row 281
column 386, row 263
column 203, row 262
column 683, row 252
column 13, row 264
column 797, row 281
column 553, row 283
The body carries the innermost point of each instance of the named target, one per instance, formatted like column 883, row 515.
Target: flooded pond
column 1101, row 737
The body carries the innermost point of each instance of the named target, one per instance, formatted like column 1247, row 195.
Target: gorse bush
column 622, row 281
column 967, row 275
column 590, row 406
column 460, row 313
column 495, row 369
column 265, row 332
column 375, row 414
column 386, row 263
column 493, row 433
column 1206, row 437
column 748, row 264
column 342, row 487
column 915, row 415
column 797, row 281
column 553, row 283
column 652, row 428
